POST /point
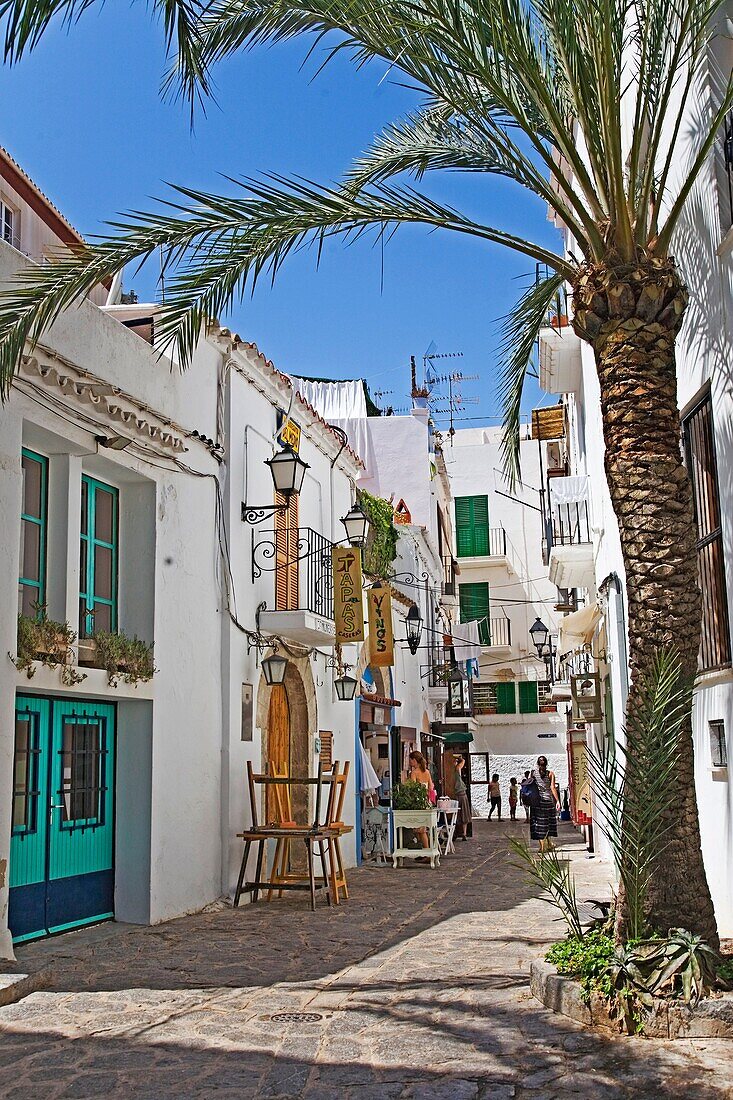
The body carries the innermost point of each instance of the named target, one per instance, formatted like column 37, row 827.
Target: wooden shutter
column 474, row 604
column 472, row 526
column 286, row 554
column 326, row 753
column 506, row 699
column 528, row 701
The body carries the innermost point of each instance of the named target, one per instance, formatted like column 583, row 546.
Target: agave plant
column 579, row 103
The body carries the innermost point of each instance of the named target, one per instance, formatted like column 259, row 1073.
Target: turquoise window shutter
column 98, row 557
column 32, row 572
column 528, row 701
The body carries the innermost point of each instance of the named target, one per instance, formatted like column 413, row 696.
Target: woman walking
column 495, row 795
column 461, row 794
column 543, row 815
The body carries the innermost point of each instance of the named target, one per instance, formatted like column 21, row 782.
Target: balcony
column 560, row 362
column 500, row 634
column 496, row 550
column 567, row 548
column 302, row 590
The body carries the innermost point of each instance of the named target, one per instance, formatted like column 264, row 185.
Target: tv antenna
column 456, row 401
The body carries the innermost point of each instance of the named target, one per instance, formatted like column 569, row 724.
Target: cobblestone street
column 420, row 982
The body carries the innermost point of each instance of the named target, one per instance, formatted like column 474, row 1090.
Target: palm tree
column 579, row 102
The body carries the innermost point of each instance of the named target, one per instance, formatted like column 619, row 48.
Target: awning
column 576, row 629
column 462, row 737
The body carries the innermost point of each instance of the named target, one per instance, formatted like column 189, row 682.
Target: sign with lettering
column 586, row 695
column 580, row 782
column 381, row 637
column 289, row 432
column 347, row 600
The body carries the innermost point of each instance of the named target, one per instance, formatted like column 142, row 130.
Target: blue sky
column 84, row 117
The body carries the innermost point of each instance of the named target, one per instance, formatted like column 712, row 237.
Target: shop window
column 32, row 578
column 699, row 439
column 528, row 698
column 472, row 526
column 474, row 604
column 82, row 773
column 718, row 747
column 25, row 773
column 98, row 556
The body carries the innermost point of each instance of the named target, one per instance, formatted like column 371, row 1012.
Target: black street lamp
column 288, row 470
column 356, row 523
column 273, row 669
column 538, row 632
column 345, row 687
column 413, row 628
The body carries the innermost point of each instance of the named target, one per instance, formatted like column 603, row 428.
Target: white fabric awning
column 577, row 628
column 568, row 490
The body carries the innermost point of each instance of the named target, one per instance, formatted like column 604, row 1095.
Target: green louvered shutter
column 506, row 699
column 472, row 526
column 474, row 604
column 528, row 702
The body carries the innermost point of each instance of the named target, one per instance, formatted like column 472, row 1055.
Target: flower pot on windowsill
column 87, row 654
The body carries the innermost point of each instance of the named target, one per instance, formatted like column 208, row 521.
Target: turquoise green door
column 62, row 849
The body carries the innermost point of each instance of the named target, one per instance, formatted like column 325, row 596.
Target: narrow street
column 418, row 988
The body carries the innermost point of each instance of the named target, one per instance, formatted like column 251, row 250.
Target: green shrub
column 50, row 642
column 410, row 795
column 121, row 656
column 381, row 545
column 587, row 958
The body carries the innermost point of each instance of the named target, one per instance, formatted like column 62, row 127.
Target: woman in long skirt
column 543, row 817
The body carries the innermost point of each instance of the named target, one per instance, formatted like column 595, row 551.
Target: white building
column 703, row 246
column 123, row 481
column 503, row 583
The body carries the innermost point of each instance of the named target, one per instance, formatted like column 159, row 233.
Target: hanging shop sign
column 580, row 782
column 586, row 695
column 347, row 600
column 381, row 637
column 289, row 432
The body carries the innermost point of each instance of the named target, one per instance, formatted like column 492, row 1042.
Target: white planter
column 415, row 819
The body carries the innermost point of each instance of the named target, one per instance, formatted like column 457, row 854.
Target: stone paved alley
column 421, row 981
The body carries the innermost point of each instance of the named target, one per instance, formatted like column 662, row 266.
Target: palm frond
column 217, row 245
column 632, row 781
column 520, row 333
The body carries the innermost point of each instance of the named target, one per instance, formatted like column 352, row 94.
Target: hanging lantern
column 288, row 470
column 273, row 669
column 413, row 627
column 345, row 687
column 356, row 523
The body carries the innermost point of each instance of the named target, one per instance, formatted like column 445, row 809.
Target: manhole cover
column 297, row 1017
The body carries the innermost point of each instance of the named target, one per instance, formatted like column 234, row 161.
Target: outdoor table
column 415, row 819
column 447, row 821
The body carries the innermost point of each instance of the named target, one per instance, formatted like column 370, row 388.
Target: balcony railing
column 300, row 559
column 500, row 631
column 497, row 542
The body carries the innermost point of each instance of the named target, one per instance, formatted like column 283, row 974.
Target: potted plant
column 45, row 640
column 411, row 809
column 122, row 656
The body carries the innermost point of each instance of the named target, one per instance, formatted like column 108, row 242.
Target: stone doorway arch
column 287, row 717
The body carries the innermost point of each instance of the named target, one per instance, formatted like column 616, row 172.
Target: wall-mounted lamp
column 273, row 669
column 356, row 523
column 288, row 470
column 113, row 442
column 345, row 687
column 413, row 628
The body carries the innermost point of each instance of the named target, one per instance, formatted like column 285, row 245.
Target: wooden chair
column 315, row 835
column 334, row 820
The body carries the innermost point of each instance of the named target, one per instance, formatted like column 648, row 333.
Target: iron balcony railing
column 300, row 559
column 566, row 525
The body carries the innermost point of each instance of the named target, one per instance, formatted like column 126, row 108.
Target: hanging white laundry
column 568, row 490
column 342, row 404
column 467, row 641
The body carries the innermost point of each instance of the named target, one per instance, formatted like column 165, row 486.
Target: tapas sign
column 347, row 599
column 580, row 783
column 381, row 636
column 586, row 695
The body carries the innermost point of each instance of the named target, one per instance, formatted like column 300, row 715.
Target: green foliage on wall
column 381, row 547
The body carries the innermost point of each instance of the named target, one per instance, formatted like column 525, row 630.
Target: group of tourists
column 537, row 793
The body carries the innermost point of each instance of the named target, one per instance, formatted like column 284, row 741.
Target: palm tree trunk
column 631, row 315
